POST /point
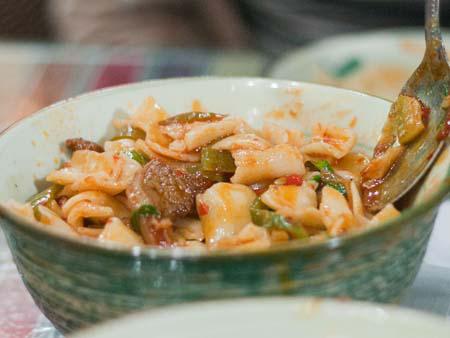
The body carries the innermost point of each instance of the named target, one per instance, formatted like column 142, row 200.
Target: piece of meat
column 75, row 144
column 168, row 186
column 157, row 231
column 61, row 200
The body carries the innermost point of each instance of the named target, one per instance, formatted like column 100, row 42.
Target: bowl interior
column 33, row 147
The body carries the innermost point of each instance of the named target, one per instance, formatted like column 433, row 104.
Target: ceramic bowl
column 268, row 317
column 79, row 283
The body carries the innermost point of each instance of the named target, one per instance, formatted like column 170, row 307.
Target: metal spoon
column 429, row 84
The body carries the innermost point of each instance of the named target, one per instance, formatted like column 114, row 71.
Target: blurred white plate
column 377, row 62
column 274, row 317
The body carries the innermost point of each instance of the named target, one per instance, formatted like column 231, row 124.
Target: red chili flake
column 294, row 180
column 202, row 209
column 425, row 112
column 445, row 131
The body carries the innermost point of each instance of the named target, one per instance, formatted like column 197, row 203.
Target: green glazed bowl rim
column 94, row 246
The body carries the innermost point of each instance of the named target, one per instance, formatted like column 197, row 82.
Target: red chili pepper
column 294, row 180
column 425, row 114
column 445, row 131
column 202, row 209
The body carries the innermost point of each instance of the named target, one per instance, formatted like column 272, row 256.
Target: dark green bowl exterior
column 77, row 285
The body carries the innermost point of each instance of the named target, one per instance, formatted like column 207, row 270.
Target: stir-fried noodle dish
column 206, row 180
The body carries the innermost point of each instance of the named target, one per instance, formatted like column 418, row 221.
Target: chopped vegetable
column 317, row 178
column 144, row 210
column 217, row 161
column 323, row 165
column 210, row 175
column 139, row 157
column 327, row 176
column 129, row 132
column 192, row 117
column 445, row 129
column 202, row 208
column 294, row 180
column 266, row 218
column 408, row 112
column 45, row 195
column 289, row 180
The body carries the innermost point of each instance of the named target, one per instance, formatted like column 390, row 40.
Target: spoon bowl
column 416, row 128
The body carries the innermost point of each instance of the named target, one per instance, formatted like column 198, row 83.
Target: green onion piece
column 268, row 219
column 139, row 157
column 192, row 117
column 319, row 165
column 338, row 186
column 129, row 132
column 317, row 178
column 327, row 176
column 144, row 210
column 217, row 161
column 331, row 180
column 45, row 195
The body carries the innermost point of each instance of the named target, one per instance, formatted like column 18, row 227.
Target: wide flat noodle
column 89, row 170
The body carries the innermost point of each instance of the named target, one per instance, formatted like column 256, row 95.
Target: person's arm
column 148, row 22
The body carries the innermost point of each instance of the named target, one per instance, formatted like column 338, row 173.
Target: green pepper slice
column 129, row 132
column 214, row 176
column 268, row 219
column 43, row 197
column 191, row 117
column 217, row 161
column 139, row 157
column 327, row 176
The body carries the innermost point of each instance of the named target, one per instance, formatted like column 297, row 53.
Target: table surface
column 35, row 75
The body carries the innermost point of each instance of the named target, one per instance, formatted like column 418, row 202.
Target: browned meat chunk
column 157, row 231
column 169, row 186
column 75, row 144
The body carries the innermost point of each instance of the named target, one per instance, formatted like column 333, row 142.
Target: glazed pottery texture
column 79, row 283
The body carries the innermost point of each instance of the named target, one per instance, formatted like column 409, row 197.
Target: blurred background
column 267, row 25
column 54, row 49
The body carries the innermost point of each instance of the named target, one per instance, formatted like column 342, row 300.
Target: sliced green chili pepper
column 210, row 175
column 129, row 132
column 192, row 117
column 217, row 161
column 338, row 186
column 45, row 195
column 144, row 210
column 268, row 219
column 139, row 157
column 327, row 176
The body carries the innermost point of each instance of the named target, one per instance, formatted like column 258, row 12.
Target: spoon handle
column 434, row 46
